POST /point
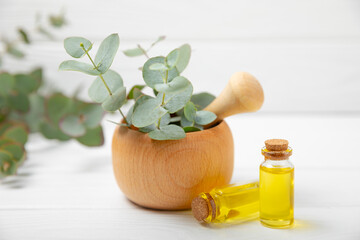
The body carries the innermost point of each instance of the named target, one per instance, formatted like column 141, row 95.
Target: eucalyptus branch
column 102, row 79
column 163, row 98
column 144, row 51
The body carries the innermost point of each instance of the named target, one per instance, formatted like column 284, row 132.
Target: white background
column 306, row 54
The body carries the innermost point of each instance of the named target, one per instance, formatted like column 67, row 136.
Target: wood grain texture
column 169, row 174
column 242, row 94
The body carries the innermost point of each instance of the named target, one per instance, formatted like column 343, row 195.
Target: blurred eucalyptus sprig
column 23, row 109
column 12, row 46
column 169, row 114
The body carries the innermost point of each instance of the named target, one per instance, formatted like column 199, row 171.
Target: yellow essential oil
column 227, row 204
column 276, row 185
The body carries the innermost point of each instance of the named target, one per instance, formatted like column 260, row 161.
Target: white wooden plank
column 138, row 223
column 295, row 76
column 138, row 19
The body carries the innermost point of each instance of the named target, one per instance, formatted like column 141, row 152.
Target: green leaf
column 72, row 65
column 178, row 84
column 190, row 111
column 204, row 117
column 106, row 53
column 7, row 83
column 73, row 46
column 161, row 38
column 147, row 113
column 165, row 120
column 14, row 51
column 57, row 106
column 93, row 137
column 7, row 164
column 152, row 77
column 17, row 134
column 37, row 74
column 50, row 131
column 98, row 92
column 184, row 122
column 72, row 126
column 191, row 129
column 26, row 83
column 158, row 67
column 176, row 101
column 172, row 58
column 169, row 132
column 202, row 100
column 35, row 115
column 16, row 150
column 134, row 52
column 115, row 101
column 131, row 94
column 184, row 57
column 19, row 101
column 23, row 35
column 91, row 115
column 57, row 20
column 4, row 126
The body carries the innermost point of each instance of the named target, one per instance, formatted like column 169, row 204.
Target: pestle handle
column 242, row 94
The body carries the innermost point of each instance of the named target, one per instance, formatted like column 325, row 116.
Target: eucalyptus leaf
column 178, row 84
column 35, row 115
column 17, row 134
column 148, row 129
column 7, row 164
column 91, row 115
column 26, row 83
column 24, row 36
column 136, row 89
column 19, row 101
column 184, row 57
column 161, row 38
column 147, row 113
column 50, row 131
column 106, row 53
column 98, row 92
column 176, row 101
column 152, row 77
column 202, row 100
column 72, row 126
column 93, row 137
column 72, row 65
column 191, row 129
column 204, row 117
column 73, row 46
column 16, row 150
column 184, row 122
column 14, row 51
column 169, row 132
column 134, row 52
column 57, row 106
column 7, row 82
column 190, row 111
column 158, row 67
column 115, row 101
column 172, row 58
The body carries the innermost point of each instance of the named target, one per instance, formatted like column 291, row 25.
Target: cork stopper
column 200, row 209
column 277, row 149
column 276, row 144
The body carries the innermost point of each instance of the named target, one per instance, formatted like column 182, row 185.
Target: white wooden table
column 66, row 191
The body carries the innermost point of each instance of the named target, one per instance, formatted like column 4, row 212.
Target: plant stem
column 103, row 80
column 144, row 51
column 163, row 98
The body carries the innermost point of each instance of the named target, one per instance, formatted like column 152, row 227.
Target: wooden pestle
column 242, row 94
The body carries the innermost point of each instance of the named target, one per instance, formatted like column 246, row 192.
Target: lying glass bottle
column 231, row 203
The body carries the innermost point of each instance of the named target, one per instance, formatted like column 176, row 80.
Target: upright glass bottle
column 231, row 203
column 276, row 185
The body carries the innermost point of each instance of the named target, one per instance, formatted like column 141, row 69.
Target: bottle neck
column 211, row 206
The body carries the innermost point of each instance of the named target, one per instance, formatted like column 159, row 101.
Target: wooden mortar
column 169, row 174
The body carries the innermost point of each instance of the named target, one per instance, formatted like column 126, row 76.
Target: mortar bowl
column 169, row 174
